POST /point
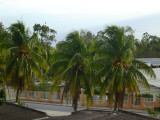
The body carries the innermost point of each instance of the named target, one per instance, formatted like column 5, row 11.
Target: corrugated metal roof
column 152, row 81
column 153, row 61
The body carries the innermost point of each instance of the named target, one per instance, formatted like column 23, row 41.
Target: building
column 154, row 83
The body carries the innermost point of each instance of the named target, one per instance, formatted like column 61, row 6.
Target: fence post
column 82, row 96
column 156, row 104
column 142, row 102
column 49, row 96
column 61, row 96
column 38, row 95
column 27, row 96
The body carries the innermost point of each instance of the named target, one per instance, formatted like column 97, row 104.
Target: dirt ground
column 99, row 115
column 10, row 112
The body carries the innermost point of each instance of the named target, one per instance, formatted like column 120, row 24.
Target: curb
column 54, row 104
column 26, row 108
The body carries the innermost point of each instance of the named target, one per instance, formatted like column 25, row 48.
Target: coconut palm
column 22, row 61
column 71, row 68
column 117, row 70
column 4, row 42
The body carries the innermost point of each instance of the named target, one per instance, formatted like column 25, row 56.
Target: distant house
column 154, row 83
column 153, row 62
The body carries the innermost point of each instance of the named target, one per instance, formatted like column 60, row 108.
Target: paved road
column 64, row 110
column 52, row 109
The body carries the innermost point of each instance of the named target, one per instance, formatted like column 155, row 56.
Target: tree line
column 82, row 61
column 148, row 46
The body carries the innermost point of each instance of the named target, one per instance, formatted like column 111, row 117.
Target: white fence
column 149, row 102
column 33, row 95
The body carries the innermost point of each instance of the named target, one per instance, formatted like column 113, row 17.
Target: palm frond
column 39, row 59
column 139, row 76
column 144, row 67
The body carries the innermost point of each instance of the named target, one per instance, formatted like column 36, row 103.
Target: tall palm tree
column 4, row 42
column 117, row 69
column 71, row 67
column 22, row 61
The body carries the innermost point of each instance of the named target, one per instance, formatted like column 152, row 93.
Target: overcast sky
column 127, row 8
column 67, row 15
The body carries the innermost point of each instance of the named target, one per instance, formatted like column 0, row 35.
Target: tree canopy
column 105, row 62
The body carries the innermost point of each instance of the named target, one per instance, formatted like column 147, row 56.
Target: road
column 64, row 110
column 52, row 109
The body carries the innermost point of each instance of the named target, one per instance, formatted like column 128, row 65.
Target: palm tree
column 22, row 61
column 71, row 67
column 117, row 69
column 4, row 42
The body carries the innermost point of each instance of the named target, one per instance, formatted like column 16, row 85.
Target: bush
column 2, row 97
column 157, row 109
column 1, row 81
column 153, row 113
column 96, row 90
column 146, row 95
column 20, row 103
column 42, row 87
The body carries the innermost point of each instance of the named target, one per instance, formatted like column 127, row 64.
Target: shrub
column 157, row 109
column 146, row 95
column 2, row 97
column 20, row 103
column 42, row 87
column 153, row 113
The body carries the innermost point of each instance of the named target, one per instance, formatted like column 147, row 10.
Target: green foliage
column 20, row 103
column 148, row 47
column 1, row 81
column 42, row 87
column 22, row 62
column 157, row 109
column 146, row 95
column 158, row 96
column 153, row 113
column 47, row 34
column 97, row 91
column 2, row 97
column 71, row 60
column 4, row 43
column 116, row 67
column 83, row 60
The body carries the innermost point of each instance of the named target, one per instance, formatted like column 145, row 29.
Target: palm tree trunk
column 17, row 94
column 116, row 101
column 48, row 57
column 121, row 96
column 75, row 100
